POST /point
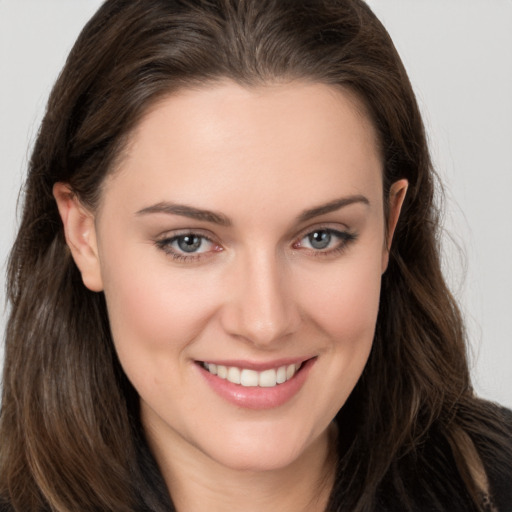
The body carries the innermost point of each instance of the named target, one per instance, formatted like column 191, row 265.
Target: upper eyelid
column 176, row 233
column 165, row 244
column 208, row 235
column 334, row 227
column 329, row 230
column 171, row 239
column 342, row 235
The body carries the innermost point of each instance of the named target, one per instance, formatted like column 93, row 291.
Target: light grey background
column 459, row 57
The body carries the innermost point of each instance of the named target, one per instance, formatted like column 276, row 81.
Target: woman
column 226, row 289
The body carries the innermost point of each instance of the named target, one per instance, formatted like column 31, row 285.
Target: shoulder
column 440, row 475
column 498, row 466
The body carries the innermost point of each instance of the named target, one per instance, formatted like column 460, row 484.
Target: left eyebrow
column 331, row 206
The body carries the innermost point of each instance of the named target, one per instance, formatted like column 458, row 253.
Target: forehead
column 224, row 141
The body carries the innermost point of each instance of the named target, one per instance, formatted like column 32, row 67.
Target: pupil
column 320, row 239
column 189, row 243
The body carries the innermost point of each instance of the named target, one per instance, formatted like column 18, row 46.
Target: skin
column 258, row 291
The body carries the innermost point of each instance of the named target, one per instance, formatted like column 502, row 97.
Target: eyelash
column 345, row 239
column 165, row 245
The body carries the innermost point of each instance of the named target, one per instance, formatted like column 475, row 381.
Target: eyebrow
column 187, row 211
column 222, row 220
column 331, row 206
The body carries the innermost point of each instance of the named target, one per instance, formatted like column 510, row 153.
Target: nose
column 260, row 307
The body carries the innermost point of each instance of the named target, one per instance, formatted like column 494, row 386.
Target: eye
column 320, row 239
column 325, row 240
column 187, row 245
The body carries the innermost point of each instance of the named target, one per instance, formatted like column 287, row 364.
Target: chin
column 256, row 460
column 264, row 451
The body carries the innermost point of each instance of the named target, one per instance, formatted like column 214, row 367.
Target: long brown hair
column 69, row 428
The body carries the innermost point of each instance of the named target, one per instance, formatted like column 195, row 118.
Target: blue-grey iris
column 320, row 239
column 189, row 243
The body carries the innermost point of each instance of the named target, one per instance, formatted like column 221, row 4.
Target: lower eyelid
column 341, row 235
column 344, row 240
column 165, row 244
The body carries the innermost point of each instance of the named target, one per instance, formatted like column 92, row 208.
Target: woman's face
column 240, row 246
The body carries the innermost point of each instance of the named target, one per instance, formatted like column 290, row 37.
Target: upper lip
column 258, row 366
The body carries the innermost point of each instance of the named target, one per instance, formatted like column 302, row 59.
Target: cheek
column 153, row 308
column 344, row 301
column 341, row 306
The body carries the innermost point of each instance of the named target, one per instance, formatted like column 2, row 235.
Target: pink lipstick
column 256, row 385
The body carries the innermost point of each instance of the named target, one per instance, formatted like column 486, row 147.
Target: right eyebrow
column 187, row 211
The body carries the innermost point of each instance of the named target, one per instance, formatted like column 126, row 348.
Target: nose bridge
column 262, row 309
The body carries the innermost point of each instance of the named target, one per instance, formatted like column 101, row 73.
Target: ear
column 80, row 233
column 396, row 198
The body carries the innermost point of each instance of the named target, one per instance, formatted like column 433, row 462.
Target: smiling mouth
column 252, row 378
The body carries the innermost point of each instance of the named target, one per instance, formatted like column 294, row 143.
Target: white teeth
column 268, row 379
column 251, row 378
column 281, row 375
column 233, row 375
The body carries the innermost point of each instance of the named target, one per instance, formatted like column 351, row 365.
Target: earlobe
column 396, row 199
column 80, row 233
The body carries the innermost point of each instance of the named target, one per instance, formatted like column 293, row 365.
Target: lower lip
column 258, row 397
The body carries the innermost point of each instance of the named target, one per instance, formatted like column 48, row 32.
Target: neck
column 200, row 483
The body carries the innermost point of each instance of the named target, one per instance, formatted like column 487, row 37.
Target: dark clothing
column 424, row 490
